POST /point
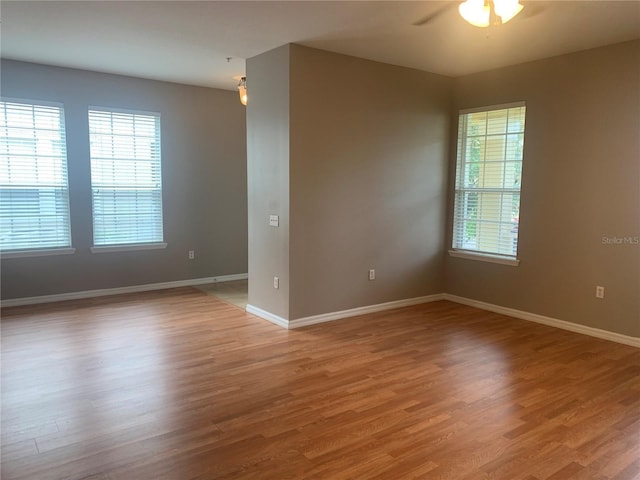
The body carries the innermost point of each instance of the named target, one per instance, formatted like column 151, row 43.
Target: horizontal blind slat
column 126, row 177
column 488, row 178
column 34, row 196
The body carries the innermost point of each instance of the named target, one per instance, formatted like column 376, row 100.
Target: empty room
column 320, row 240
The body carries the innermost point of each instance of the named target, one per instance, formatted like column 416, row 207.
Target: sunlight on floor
column 234, row 292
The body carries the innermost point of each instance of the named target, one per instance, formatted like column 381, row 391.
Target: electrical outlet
column 192, row 254
column 599, row 292
column 276, row 282
column 372, row 274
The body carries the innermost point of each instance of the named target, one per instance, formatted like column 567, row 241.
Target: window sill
column 128, row 248
column 38, row 253
column 485, row 257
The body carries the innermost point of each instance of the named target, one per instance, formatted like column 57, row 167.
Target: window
column 34, row 192
column 126, row 182
column 488, row 177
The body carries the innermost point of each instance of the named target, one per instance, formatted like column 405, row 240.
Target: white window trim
column 123, row 110
column 485, row 257
column 128, row 248
column 501, row 106
column 34, row 101
column 61, row 250
column 476, row 255
column 38, row 253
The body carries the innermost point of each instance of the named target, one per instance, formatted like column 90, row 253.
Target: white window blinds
column 34, row 192
column 126, row 178
column 488, row 176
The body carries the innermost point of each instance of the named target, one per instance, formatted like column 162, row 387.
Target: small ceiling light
column 483, row 13
column 242, row 90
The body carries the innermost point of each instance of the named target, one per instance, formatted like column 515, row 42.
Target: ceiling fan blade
column 432, row 16
column 531, row 9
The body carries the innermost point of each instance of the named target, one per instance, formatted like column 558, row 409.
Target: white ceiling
column 189, row 42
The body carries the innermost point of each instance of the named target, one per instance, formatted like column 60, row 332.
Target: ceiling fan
column 432, row 16
column 482, row 13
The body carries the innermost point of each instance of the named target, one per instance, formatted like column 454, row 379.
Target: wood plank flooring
column 178, row 385
column 234, row 292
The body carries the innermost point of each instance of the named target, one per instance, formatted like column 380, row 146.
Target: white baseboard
column 258, row 312
column 15, row 302
column 352, row 312
column 552, row 322
column 511, row 312
column 328, row 317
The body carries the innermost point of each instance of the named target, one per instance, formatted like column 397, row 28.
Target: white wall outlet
column 276, row 282
column 599, row 292
column 274, row 221
column 192, row 254
column 372, row 274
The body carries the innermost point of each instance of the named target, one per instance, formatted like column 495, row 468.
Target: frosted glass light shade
column 242, row 90
column 482, row 13
column 475, row 12
column 507, row 9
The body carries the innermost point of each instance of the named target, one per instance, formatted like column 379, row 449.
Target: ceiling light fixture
column 483, row 13
column 242, row 90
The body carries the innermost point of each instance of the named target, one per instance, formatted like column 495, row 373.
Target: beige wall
column 204, row 182
column 268, row 179
column 369, row 147
column 355, row 157
column 352, row 155
column 581, row 182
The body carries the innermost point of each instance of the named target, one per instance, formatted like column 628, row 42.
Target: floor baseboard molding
column 331, row 316
column 259, row 312
column 61, row 297
column 511, row 312
column 352, row 312
column 549, row 321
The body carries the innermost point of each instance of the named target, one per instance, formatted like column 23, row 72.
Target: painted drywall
column 268, row 179
column 580, row 205
column 204, row 182
column 369, row 153
column 355, row 164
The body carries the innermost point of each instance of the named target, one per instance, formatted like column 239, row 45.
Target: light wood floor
column 179, row 385
column 234, row 292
